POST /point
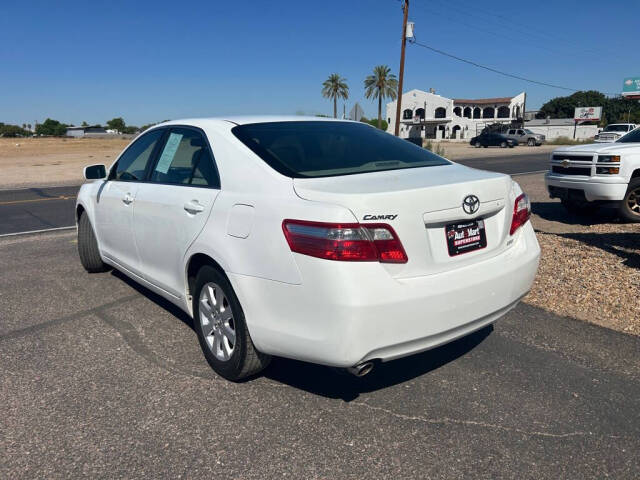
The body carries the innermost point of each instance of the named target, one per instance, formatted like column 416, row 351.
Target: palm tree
column 380, row 85
column 335, row 87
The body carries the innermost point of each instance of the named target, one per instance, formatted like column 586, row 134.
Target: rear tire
column 630, row 206
column 477, row 144
column 222, row 331
column 88, row 247
column 503, row 145
column 531, row 142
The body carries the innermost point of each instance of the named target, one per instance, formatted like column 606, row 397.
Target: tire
column 233, row 357
column 531, row 142
column 88, row 247
column 477, row 144
column 503, row 145
column 511, row 146
column 577, row 208
column 630, row 206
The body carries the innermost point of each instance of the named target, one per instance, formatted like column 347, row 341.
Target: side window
column 132, row 164
column 520, row 132
column 511, row 132
column 185, row 160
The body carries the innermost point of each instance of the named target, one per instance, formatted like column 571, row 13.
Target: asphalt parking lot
column 101, row 378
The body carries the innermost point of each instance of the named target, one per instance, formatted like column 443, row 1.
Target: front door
column 116, row 201
column 172, row 208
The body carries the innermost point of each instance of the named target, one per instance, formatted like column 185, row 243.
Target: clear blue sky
column 149, row 61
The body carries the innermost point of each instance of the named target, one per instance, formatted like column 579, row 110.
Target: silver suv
column 525, row 136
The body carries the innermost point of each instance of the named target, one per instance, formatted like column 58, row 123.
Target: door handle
column 127, row 199
column 193, row 207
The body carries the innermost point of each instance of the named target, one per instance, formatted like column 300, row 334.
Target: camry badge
column 471, row 204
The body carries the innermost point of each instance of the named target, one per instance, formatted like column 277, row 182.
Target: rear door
column 172, row 208
column 116, row 198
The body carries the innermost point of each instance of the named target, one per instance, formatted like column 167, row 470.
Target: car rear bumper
column 346, row 312
column 602, row 189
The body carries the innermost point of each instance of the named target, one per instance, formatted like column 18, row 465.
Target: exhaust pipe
column 361, row 369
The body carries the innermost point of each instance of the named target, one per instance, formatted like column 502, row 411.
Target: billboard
column 631, row 86
column 585, row 114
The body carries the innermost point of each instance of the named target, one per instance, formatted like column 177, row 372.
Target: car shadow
column 623, row 244
column 555, row 212
column 154, row 297
column 337, row 383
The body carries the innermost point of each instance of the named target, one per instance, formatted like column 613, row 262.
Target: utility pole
column 401, row 76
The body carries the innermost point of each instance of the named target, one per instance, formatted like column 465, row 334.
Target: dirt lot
column 53, row 161
column 59, row 161
column 456, row 151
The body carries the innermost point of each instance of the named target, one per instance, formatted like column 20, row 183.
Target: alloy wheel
column 217, row 321
column 633, row 201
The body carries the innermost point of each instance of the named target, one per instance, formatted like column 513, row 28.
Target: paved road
column 36, row 208
column 100, row 378
column 44, row 208
column 515, row 164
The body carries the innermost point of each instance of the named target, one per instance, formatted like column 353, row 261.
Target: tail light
column 521, row 213
column 345, row 241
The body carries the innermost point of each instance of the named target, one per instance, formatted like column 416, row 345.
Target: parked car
column 524, row 136
column 492, row 139
column 613, row 132
column 320, row 240
column 585, row 176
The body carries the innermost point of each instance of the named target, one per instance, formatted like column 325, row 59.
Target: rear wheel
column 630, row 206
column 88, row 247
column 503, row 144
column 221, row 328
column 477, row 144
column 531, row 142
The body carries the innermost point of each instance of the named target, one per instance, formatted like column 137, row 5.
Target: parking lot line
column 37, row 231
column 30, row 200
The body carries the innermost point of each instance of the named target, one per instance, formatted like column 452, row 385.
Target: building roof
column 483, row 101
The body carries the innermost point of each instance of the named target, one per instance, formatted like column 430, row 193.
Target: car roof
column 244, row 120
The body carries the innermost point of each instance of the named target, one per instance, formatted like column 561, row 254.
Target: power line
column 511, row 75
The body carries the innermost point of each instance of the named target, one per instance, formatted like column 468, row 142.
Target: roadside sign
column 631, row 87
column 585, row 114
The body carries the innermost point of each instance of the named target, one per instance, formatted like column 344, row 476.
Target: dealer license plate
column 465, row 237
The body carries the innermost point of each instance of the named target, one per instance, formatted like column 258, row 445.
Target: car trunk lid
column 419, row 203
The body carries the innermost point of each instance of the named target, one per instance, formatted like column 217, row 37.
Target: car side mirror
column 95, row 172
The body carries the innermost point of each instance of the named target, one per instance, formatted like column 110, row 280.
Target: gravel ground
column 590, row 265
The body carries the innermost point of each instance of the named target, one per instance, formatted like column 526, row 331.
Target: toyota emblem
column 566, row 163
column 471, row 204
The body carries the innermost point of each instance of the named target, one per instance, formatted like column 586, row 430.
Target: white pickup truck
column 613, row 132
column 584, row 176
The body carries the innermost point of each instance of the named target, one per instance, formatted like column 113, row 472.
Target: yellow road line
column 61, row 197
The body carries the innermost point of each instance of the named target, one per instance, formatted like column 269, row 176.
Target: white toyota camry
column 320, row 240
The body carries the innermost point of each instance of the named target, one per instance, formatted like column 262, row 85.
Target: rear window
column 325, row 149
